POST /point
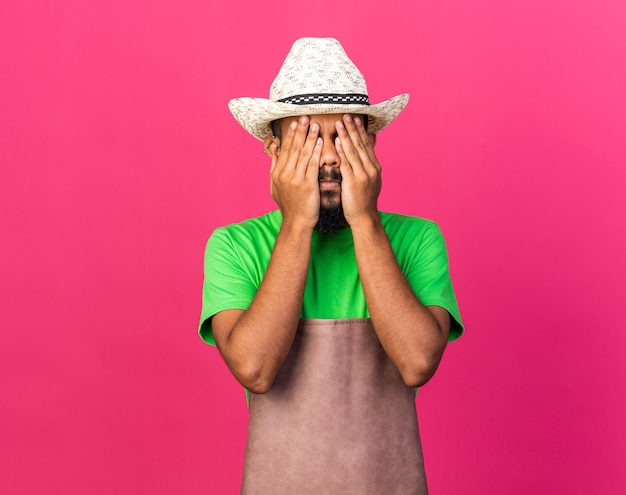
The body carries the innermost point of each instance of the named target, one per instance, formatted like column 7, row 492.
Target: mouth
column 329, row 179
column 328, row 184
column 331, row 176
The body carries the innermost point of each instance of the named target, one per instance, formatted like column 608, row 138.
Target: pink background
column 119, row 157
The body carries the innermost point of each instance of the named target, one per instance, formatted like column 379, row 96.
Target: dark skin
column 255, row 342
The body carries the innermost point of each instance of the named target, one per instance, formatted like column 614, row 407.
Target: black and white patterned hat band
column 315, row 98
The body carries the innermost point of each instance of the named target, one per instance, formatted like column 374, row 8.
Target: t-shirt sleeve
column 226, row 284
column 429, row 276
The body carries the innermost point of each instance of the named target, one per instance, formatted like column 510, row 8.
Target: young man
column 328, row 311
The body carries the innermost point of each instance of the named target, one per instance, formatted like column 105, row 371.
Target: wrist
column 297, row 226
column 368, row 222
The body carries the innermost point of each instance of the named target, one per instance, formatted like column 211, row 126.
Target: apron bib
column 337, row 420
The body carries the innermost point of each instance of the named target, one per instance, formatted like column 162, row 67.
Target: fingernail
column 348, row 118
column 357, row 121
column 303, row 120
column 293, row 125
column 314, row 127
column 318, row 142
column 340, row 125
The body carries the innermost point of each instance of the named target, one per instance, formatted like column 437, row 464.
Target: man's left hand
column 360, row 171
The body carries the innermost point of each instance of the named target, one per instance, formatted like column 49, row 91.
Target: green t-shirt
column 237, row 256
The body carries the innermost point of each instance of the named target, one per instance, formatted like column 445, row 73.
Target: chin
column 331, row 220
column 330, row 200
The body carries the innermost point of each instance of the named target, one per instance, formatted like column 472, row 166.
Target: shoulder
column 413, row 238
column 269, row 222
column 265, row 226
column 401, row 226
column 250, row 241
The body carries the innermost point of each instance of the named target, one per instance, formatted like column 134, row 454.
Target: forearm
column 409, row 332
column 260, row 340
column 256, row 342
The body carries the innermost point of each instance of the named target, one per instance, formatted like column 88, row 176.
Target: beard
column 331, row 219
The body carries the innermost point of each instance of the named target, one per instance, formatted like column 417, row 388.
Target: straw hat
column 317, row 77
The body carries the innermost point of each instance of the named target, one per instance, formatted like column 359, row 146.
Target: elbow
column 258, row 387
column 255, row 373
column 256, row 380
column 416, row 379
column 420, row 370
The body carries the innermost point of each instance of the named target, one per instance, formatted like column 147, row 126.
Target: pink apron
column 337, row 420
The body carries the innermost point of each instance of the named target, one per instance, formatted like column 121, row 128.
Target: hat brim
column 256, row 114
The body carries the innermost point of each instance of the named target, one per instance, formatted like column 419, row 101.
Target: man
column 328, row 311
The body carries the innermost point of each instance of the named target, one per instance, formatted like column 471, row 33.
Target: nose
column 330, row 157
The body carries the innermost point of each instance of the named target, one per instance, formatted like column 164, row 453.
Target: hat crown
column 317, row 66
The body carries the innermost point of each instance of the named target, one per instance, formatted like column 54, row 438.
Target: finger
column 360, row 125
column 284, row 159
column 348, row 153
column 296, row 148
column 344, row 166
column 272, row 151
column 359, row 140
column 308, row 150
column 313, row 169
column 299, row 137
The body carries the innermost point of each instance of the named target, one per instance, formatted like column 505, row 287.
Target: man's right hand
column 295, row 170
